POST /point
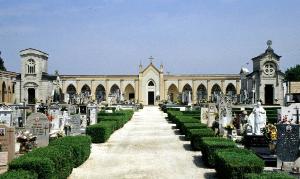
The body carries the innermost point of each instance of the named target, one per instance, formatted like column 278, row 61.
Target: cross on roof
column 151, row 59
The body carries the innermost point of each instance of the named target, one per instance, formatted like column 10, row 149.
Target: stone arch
column 86, row 89
column 230, row 90
column 4, row 92
column 129, row 93
column 71, row 90
column 100, row 93
column 201, row 93
column 115, row 93
column 173, row 93
column 9, row 94
column 187, row 94
column 215, row 91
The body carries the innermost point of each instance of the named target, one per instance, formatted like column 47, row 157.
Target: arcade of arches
column 7, row 87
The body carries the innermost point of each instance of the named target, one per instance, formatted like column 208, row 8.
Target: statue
column 258, row 119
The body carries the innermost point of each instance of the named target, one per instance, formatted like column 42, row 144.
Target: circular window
column 269, row 69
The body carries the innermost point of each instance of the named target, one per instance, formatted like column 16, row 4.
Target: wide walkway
column 146, row 147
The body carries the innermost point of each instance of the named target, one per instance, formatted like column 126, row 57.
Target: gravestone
column 292, row 112
column 92, row 110
column 55, row 113
column 225, row 112
column 287, row 146
column 204, row 115
column 71, row 109
column 74, row 122
column 211, row 114
column 6, row 115
column 7, row 141
column 38, row 125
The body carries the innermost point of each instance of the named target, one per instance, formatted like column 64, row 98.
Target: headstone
column 55, row 114
column 72, row 109
column 291, row 112
column 74, row 122
column 7, row 144
column 204, row 115
column 287, row 146
column 38, row 125
column 225, row 112
column 92, row 114
column 6, row 115
column 211, row 114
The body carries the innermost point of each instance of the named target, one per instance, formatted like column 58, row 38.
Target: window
column 31, row 66
column 151, row 83
column 269, row 69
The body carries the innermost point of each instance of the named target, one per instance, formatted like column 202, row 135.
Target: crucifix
column 24, row 107
column 151, row 59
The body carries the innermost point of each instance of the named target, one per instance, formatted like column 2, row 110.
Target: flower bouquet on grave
column 270, row 132
column 229, row 128
column 27, row 141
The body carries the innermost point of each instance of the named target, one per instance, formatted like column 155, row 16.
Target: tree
column 2, row 67
column 293, row 73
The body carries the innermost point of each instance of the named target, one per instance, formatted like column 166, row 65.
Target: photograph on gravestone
column 38, row 125
column 287, row 146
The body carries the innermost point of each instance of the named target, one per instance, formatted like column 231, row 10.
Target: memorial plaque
column 74, row 122
column 38, row 125
column 287, row 142
column 71, row 110
column 6, row 115
column 204, row 115
column 7, row 141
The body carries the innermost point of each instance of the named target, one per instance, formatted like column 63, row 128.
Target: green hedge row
column 187, row 126
column 235, row 163
column 196, row 135
column 108, row 123
column 210, row 145
column 22, row 174
column 54, row 161
column 269, row 175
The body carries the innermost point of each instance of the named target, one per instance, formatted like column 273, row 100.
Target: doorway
column 269, row 94
column 151, row 98
column 31, row 96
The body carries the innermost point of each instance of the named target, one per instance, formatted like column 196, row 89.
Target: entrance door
column 31, row 96
column 269, row 94
column 151, row 98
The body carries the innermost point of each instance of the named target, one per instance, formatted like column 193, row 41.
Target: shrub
column 209, row 145
column 184, row 119
column 188, row 126
column 61, row 156
column 197, row 134
column 80, row 145
column 24, row 174
column 101, row 132
column 235, row 163
column 44, row 167
column 269, row 175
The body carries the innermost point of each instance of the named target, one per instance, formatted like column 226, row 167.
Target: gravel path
column 146, row 147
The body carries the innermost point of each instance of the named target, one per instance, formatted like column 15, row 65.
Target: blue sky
column 114, row 36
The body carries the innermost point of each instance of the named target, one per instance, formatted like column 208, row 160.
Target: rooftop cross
column 269, row 43
column 151, row 59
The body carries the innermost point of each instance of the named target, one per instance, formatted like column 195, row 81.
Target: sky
column 115, row 36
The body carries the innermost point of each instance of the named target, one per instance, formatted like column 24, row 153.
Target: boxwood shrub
column 235, row 163
column 22, row 174
column 188, row 126
column 101, row 132
column 44, row 167
column 80, row 147
column 197, row 134
column 268, row 175
column 209, row 145
column 184, row 119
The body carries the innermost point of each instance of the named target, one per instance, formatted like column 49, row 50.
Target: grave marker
column 7, row 141
column 74, row 122
column 38, row 125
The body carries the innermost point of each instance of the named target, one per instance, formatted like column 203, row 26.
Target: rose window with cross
column 269, row 69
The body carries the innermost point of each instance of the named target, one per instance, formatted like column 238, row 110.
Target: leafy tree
column 2, row 67
column 293, row 73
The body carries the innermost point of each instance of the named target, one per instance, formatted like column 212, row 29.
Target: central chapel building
column 150, row 85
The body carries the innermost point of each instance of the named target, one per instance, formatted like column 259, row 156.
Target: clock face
column 269, row 69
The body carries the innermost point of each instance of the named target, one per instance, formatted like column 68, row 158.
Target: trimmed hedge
column 108, row 123
column 236, row 163
column 268, row 175
column 80, row 147
column 197, row 134
column 24, row 174
column 185, row 119
column 101, row 132
column 56, row 160
column 187, row 126
column 209, row 145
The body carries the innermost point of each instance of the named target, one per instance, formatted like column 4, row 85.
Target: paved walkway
column 146, row 147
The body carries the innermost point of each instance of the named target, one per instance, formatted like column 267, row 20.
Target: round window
column 269, row 69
